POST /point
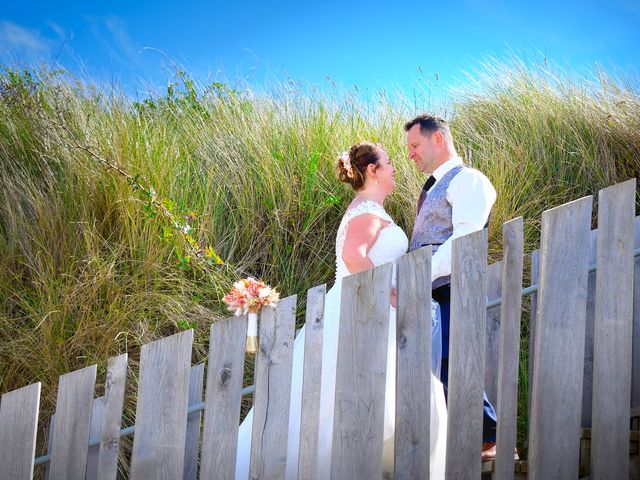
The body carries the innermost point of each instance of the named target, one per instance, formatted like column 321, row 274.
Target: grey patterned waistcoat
column 434, row 224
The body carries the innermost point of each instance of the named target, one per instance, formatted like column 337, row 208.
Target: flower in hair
column 346, row 163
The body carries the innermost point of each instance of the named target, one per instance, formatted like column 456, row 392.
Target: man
column 455, row 200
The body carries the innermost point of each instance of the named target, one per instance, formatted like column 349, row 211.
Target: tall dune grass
column 87, row 271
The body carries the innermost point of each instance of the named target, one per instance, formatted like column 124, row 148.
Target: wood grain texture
column 587, row 376
column 161, row 411
column 492, row 338
column 273, row 391
column 52, row 426
column 73, row 421
column 361, row 374
column 466, row 356
column 309, row 423
column 510, row 310
column 18, row 425
column 222, row 398
column 93, row 453
column 559, row 343
column 635, row 370
column 535, row 278
column 112, row 417
column 413, row 378
column 192, row 445
column 613, row 332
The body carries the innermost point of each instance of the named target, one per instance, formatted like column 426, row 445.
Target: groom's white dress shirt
column 471, row 196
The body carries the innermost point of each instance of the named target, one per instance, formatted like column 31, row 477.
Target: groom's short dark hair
column 429, row 124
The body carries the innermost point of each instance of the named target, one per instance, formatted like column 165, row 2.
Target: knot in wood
column 225, row 375
column 108, row 380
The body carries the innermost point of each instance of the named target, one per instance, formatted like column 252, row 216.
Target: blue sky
column 375, row 45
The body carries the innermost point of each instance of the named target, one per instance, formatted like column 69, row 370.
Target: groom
column 455, row 200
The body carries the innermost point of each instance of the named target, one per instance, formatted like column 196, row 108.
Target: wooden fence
column 584, row 372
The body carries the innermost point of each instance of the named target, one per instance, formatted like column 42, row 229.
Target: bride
column 367, row 237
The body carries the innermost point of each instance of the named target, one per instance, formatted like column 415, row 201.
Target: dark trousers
column 442, row 295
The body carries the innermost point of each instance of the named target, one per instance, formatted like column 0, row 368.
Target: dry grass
column 87, row 271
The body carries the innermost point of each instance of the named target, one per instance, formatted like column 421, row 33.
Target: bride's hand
column 394, row 298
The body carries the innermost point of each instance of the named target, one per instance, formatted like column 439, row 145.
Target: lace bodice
column 391, row 243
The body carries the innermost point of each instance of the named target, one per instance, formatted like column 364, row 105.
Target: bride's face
column 385, row 173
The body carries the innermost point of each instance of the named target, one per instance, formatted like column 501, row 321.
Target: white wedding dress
column 391, row 243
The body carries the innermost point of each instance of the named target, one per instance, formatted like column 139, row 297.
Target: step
column 585, row 448
column 520, row 467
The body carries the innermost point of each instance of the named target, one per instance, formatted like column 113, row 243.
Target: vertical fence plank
column 492, row 338
column 613, row 332
column 587, row 382
column 466, row 356
column 413, row 380
column 560, row 335
column 635, row 372
column 192, row 444
column 73, row 420
column 587, row 390
column 361, row 375
column 52, row 426
column 161, row 411
column 273, row 391
column 512, row 268
column 222, row 398
column 18, row 424
column 93, row 454
column 112, row 417
column 533, row 304
column 314, row 329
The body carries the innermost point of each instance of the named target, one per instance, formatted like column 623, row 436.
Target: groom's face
column 422, row 149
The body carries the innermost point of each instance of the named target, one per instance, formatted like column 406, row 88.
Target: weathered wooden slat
column 587, row 389
column 492, row 338
column 222, row 398
column 93, row 454
column 590, row 315
column 560, row 336
column 635, row 370
column 18, row 425
column 613, row 332
column 513, row 260
column 112, row 417
column 309, row 423
column 273, row 391
column 413, row 379
column 73, row 421
column 52, row 425
column 192, row 446
column 161, row 410
column 587, row 382
column 466, row 356
column 361, row 374
column 535, row 277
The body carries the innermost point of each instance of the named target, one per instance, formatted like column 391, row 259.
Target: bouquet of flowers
column 247, row 297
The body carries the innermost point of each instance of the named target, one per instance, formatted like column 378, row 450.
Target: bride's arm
column 362, row 232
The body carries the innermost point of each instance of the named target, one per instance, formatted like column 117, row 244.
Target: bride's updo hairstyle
column 352, row 166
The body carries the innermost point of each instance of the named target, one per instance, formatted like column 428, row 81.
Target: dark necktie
column 423, row 194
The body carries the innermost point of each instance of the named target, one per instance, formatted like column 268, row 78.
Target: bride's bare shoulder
column 366, row 215
column 359, row 206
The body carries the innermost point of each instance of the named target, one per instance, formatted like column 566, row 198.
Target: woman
column 367, row 237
